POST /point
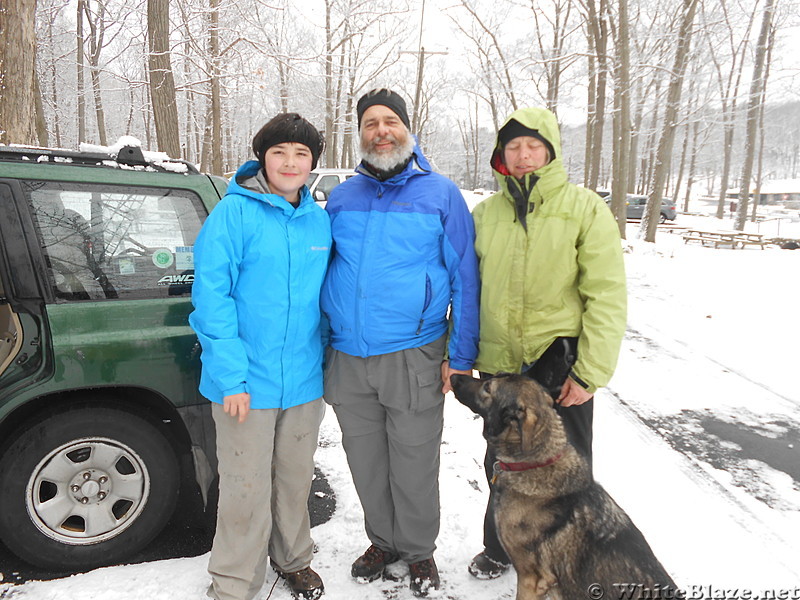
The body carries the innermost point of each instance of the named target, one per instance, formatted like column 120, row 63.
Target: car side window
column 327, row 183
column 104, row 242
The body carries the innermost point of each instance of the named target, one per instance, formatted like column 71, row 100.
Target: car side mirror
column 320, row 196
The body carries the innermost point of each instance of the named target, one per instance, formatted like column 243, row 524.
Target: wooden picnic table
column 733, row 239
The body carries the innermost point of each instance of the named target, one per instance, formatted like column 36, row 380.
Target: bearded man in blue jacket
column 403, row 259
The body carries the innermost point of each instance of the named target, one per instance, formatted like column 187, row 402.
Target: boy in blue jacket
column 260, row 261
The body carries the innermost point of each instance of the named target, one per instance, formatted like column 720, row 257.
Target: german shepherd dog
column 566, row 537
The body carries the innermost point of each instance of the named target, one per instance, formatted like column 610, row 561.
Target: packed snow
column 712, row 342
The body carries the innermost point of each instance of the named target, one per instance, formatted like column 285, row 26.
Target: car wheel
column 663, row 218
column 86, row 487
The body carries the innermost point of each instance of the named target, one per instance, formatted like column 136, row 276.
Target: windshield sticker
column 184, row 258
column 126, row 266
column 162, row 258
column 183, row 279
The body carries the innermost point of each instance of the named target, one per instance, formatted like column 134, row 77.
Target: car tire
column 86, row 487
column 662, row 219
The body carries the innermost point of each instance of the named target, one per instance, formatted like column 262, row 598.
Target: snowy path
column 708, row 366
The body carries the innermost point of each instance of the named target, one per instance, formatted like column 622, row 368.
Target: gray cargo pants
column 390, row 410
column 266, row 465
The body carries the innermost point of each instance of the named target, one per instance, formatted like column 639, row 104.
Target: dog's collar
column 499, row 465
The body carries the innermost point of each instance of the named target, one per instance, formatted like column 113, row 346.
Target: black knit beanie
column 514, row 129
column 288, row 127
column 384, row 97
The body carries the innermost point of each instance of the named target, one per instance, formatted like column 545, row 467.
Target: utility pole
column 420, row 52
column 417, row 114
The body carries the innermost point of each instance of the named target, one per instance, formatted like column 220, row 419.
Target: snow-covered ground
column 711, row 347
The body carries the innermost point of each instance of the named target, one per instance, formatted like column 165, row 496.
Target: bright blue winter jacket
column 403, row 252
column 259, row 267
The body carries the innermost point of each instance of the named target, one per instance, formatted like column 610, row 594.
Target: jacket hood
column 251, row 169
column 540, row 120
column 542, row 181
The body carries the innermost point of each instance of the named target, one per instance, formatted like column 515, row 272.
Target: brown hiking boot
column 370, row 565
column 424, row 577
column 304, row 583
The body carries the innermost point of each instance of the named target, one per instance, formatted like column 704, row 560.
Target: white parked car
column 321, row 181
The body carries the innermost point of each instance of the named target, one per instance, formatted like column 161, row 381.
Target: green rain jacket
column 561, row 274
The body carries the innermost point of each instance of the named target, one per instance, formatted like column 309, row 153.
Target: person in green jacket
column 553, row 297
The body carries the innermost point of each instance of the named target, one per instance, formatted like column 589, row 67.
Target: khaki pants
column 266, row 465
column 390, row 409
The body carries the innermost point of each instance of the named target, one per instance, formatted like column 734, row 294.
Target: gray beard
column 386, row 161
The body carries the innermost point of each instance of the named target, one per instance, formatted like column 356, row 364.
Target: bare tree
column 97, row 30
column 596, row 17
column 17, row 89
column 622, row 116
column 728, row 67
column 550, row 56
column 684, row 37
column 162, row 83
column 753, row 107
column 80, row 53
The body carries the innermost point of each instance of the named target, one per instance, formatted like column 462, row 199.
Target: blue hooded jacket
column 259, row 266
column 403, row 253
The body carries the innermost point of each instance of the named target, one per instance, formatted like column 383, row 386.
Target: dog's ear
column 468, row 391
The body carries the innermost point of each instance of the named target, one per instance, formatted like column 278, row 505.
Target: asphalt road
column 189, row 533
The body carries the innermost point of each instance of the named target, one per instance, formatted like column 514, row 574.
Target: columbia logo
column 320, row 248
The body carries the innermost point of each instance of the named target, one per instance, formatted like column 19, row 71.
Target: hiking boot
column 370, row 565
column 424, row 577
column 304, row 583
column 484, row 567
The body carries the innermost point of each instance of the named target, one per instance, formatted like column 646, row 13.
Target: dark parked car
column 98, row 366
column 636, row 205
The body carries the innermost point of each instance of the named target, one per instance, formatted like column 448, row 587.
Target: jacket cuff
column 587, row 386
column 239, row 389
column 459, row 366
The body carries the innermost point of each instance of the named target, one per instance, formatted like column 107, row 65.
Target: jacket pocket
column 426, row 389
column 426, row 303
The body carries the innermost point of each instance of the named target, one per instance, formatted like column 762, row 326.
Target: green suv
column 98, row 366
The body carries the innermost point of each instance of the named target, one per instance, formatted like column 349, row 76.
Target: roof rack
column 129, row 156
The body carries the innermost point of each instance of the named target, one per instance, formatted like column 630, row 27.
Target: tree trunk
column 591, row 115
column 17, row 72
column 692, row 164
column 653, row 209
column 41, row 123
column 17, row 56
column 761, row 132
column 753, row 106
column 162, row 84
column 97, row 33
column 216, row 93
column 330, row 150
column 621, row 118
column 79, row 55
